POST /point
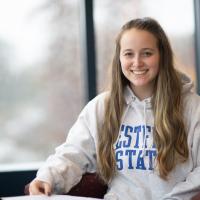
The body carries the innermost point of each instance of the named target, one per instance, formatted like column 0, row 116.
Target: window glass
column 175, row 16
column 41, row 90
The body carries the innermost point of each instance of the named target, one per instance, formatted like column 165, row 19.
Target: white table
column 52, row 197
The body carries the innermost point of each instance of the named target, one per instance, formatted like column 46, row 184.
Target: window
column 41, row 77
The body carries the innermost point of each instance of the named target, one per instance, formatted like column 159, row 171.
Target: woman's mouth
column 139, row 72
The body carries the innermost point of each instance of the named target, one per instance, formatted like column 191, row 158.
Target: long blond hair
column 169, row 132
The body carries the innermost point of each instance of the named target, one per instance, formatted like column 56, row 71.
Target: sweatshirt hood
column 130, row 97
column 187, row 84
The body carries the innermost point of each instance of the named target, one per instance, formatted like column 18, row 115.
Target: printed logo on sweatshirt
column 135, row 148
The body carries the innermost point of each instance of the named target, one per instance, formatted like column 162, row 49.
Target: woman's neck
column 143, row 92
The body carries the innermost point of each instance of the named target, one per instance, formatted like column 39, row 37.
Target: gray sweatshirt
column 137, row 177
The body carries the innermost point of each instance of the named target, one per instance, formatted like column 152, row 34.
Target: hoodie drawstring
column 145, row 131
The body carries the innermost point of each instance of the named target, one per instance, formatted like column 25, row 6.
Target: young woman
column 142, row 136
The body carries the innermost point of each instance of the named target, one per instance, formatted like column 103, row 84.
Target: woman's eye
column 128, row 54
column 147, row 54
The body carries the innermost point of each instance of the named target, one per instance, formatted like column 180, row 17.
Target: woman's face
column 139, row 57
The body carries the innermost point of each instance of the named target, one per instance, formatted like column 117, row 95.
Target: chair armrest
column 89, row 186
column 196, row 197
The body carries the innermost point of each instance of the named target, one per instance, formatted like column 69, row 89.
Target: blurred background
column 42, row 73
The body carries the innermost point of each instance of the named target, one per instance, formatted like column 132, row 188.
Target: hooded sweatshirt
column 137, row 177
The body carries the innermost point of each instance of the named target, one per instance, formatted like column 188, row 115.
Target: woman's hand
column 38, row 187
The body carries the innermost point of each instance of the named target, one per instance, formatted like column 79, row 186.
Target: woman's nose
column 137, row 61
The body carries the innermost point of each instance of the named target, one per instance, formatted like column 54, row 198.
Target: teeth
column 139, row 72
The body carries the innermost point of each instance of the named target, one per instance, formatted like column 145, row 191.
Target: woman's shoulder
column 191, row 99
column 191, row 105
column 99, row 100
column 96, row 105
column 93, row 112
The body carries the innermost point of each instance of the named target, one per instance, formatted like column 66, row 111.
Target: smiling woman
column 41, row 90
column 129, row 139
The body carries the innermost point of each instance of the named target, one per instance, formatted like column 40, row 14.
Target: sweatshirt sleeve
column 190, row 186
column 76, row 156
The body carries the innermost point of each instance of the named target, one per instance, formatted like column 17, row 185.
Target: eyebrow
column 148, row 48
column 143, row 49
column 127, row 50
